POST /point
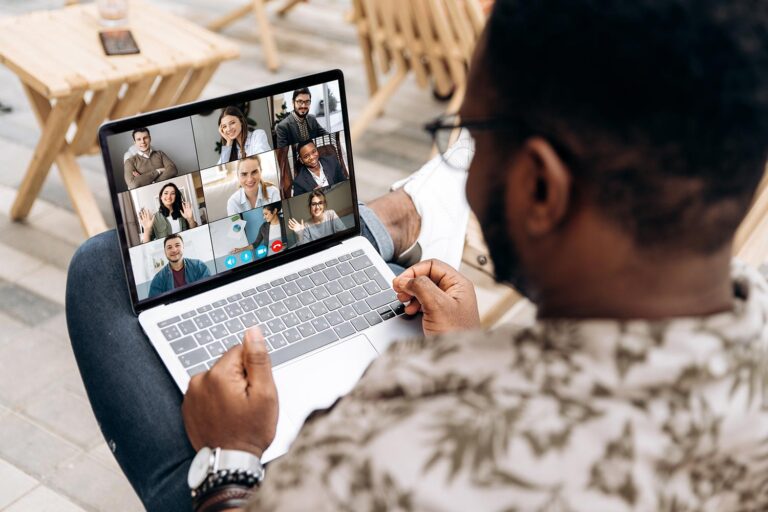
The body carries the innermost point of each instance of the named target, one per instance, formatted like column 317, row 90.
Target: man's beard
column 505, row 257
column 299, row 114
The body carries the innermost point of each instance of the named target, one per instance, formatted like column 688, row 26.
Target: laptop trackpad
column 315, row 382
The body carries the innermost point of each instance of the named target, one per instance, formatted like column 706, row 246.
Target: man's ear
column 541, row 185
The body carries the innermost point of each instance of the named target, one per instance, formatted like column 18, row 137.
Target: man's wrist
column 224, row 492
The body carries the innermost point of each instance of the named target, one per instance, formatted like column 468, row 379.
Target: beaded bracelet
column 238, row 482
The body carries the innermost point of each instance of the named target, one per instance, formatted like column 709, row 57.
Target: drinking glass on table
column 113, row 13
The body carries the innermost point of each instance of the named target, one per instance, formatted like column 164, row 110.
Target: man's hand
column 234, row 405
column 446, row 298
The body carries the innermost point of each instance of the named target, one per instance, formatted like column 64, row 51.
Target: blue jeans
column 134, row 398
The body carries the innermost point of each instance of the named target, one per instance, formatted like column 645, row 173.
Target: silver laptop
column 242, row 211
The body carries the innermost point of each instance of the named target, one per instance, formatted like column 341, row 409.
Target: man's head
column 308, row 154
column 641, row 123
column 142, row 139
column 174, row 248
column 302, row 98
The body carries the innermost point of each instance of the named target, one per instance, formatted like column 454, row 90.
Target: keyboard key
column 292, row 277
column 290, row 320
column 318, row 267
column 333, row 288
column 277, row 282
column 263, row 287
column 233, row 310
column 320, row 293
column 291, row 288
column 305, row 284
column 360, row 262
column 347, row 282
column 230, row 341
column 183, row 345
column 345, row 298
column 371, row 287
column 385, row 297
column 195, row 357
column 374, row 274
column 334, row 318
column 360, row 277
column 308, row 345
column 249, row 320
column 318, row 308
column 307, row 298
column 373, row 318
column 219, row 331
column 188, row 314
column 218, row 315
column 306, row 329
column 277, row 341
column 203, row 337
column 220, row 303
column 264, row 329
column 203, row 321
column 205, row 308
column 292, row 335
column 293, row 303
column 345, row 257
column 359, row 293
column 318, row 278
column 263, row 299
column 331, row 274
column 187, row 326
column 361, row 307
column 264, row 315
column 248, row 304
column 360, row 323
column 249, row 292
column 278, row 309
column 305, row 314
column 398, row 307
column 344, row 268
column 348, row 313
column 215, row 348
column 320, row 324
column 196, row 369
column 344, row 330
column 358, row 252
column 234, row 298
column 305, row 272
column 234, row 325
column 386, row 315
column 171, row 333
column 331, row 262
column 211, row 363
column 276, row 325
column 277, row 294
column 332, row 303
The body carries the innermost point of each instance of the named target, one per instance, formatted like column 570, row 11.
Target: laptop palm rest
column 315, row 382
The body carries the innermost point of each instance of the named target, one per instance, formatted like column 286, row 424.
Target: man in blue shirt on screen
column 179, row 271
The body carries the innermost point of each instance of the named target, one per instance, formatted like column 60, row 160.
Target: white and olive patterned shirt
column 597, row 415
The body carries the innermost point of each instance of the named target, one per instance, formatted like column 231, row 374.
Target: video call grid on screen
column 207, row 185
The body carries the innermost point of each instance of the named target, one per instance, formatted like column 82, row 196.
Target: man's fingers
column 425, row 291
column 440, row 273
column 258, row 366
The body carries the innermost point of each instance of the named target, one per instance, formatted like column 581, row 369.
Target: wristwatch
column 212, row 461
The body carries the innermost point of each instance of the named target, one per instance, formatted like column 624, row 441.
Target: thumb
column 256, row 361
column 426, row 291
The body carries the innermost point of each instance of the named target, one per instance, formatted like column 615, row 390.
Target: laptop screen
column 222, row 188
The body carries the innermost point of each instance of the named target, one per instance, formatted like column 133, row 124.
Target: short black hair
column 303, row 143
column 171, row 237
column 303, row 90
column 143, row 129
column 658, row 107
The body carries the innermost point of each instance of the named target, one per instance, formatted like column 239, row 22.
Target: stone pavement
column 52, row 455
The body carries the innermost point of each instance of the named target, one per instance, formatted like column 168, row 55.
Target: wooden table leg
column 267, row 38
column 198, row 79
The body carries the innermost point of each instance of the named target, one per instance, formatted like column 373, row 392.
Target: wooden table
column 73, row 87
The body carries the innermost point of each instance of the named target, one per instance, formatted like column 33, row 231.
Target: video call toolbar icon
column 230, row 262
column 277, row 246
column 261, row 251
column 246, row 256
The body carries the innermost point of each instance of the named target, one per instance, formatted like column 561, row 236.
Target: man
column 603, row 135
column 147, row 165
column 299, row 125
column 179, row 271
column 316, row 171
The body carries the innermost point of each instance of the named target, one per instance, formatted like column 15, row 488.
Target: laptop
column 229, row 217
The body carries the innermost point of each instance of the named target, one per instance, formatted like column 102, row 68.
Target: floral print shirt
column 597, row 415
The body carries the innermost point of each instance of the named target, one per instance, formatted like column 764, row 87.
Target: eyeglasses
column 303, row 103
column 313, row 203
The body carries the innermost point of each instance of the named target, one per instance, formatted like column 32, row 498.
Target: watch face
column 201, row 466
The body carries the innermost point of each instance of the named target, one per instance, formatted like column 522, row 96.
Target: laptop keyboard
column 297, row 313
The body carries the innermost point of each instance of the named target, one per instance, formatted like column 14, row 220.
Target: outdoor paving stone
column 50, row 249
column 31, row 448
column 14, row 483
column 48, row 282
column 43, row 499
column 104, row 456
column 87, row 481
column 25, row 306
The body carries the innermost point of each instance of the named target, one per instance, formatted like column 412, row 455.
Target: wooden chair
column 258, row 7
column 433, row 39
column 751, row 241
